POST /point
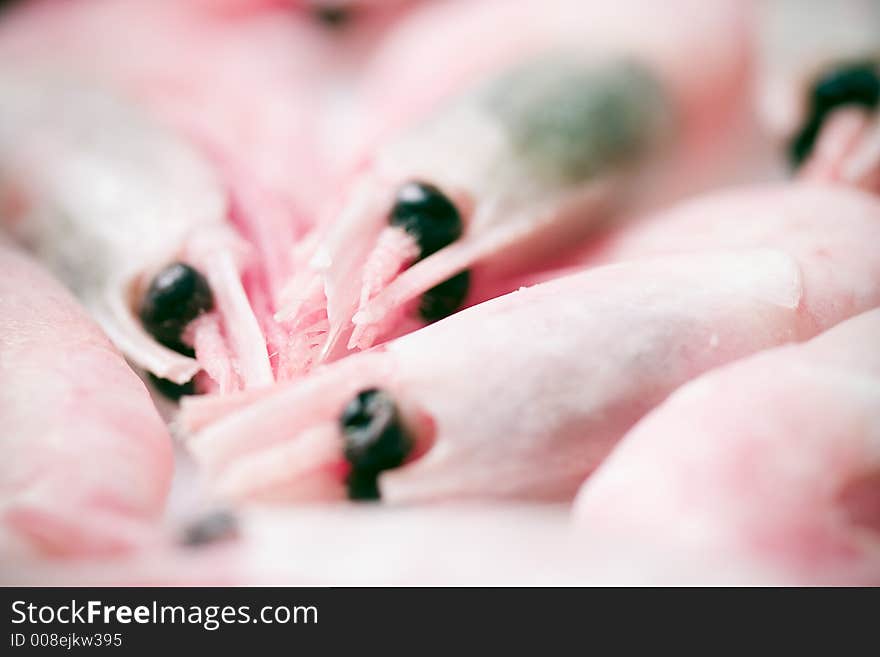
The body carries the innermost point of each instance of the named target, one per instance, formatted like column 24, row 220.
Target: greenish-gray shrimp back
column 569, row 122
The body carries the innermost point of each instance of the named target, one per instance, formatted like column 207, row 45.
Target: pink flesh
column 795, row 261
column 87, row 460
column 771, row 461
column 705, row 100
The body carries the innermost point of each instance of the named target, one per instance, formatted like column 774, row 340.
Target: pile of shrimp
column 534, row 292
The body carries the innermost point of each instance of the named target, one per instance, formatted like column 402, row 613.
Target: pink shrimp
column 587, row 354
column 107, row 199
column 820, row 87
column 553, row 107
column 87, row 460
column 772, row 462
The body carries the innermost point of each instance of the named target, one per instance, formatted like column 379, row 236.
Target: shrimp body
column 532, row 154
column 88, row 461
column 768, row 464
column 528, row 167
column 107, row 198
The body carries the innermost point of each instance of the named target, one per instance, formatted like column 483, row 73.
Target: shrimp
column 87, row 460
column 771, row 462
column 583, row 355
column 821, row 87
column 553, row 130
column 134, row 222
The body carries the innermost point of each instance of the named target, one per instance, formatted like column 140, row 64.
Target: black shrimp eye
column 855, row 84
column 212, row 528
column 425, row 212
column 446, row 298
column 375, row 440
column 177, row 295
